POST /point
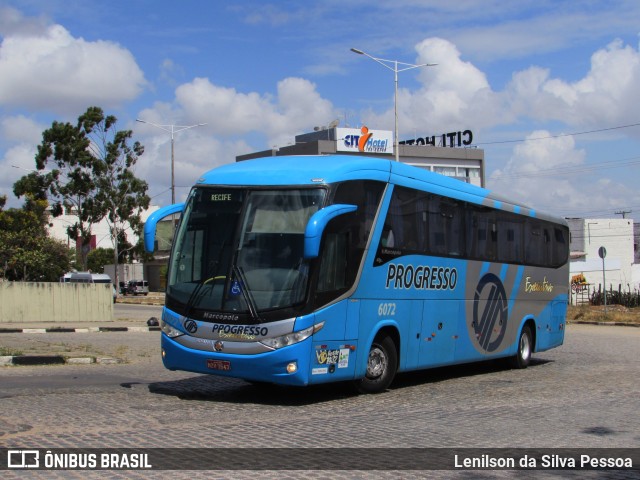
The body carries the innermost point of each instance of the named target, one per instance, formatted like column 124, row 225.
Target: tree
column 98, row 258
column 90, row 173
column 26, row 252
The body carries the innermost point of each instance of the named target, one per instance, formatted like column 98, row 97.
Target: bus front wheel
column 522, row 358
column 382, row 364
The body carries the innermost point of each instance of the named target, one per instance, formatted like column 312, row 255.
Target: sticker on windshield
column 236, row 288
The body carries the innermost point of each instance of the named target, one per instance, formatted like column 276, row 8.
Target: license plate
column 224, row 365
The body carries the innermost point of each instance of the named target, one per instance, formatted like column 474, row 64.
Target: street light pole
column 172, row 129
column 387, row 64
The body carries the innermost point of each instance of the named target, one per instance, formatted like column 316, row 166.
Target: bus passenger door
column 439, row 332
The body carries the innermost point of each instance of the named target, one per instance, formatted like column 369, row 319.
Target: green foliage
column 26, row 253
column 87, row 168
column 98, row 258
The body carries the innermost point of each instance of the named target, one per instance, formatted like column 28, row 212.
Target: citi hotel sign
column 451, row 139
column 364, row 140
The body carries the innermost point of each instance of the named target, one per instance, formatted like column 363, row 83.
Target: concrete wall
column 25, row 302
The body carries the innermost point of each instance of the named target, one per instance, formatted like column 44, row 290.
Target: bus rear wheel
column 522, row 358
column 382, row 364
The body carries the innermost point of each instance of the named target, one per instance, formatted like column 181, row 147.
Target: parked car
column 135, row 287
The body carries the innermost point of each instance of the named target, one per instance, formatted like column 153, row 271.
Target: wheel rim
column 525, row 347
column 377, row 363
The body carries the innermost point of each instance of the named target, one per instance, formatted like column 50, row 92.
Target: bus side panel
column 550, row 325
column 333, row 353
column 440, row 332
column 401, row 315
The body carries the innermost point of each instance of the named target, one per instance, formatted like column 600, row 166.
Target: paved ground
column 121, row 340
column 583, row 394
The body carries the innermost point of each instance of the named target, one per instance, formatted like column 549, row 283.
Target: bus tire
column 382, row 364
column 522, row 358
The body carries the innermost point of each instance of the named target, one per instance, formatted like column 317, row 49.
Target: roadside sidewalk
column 78, row 327
column 50, row 343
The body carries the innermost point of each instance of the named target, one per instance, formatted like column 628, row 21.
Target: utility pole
column 393, row 66
column 172, row 129
column 623, row 213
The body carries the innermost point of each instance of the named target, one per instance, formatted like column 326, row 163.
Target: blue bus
column 304, row 270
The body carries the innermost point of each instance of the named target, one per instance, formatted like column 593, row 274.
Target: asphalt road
column 583, row 395
column 132, row 312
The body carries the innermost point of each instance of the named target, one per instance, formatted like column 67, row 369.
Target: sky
column 549, row 88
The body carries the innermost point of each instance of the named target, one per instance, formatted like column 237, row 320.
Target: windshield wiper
column 194, row 298
column 246, row 292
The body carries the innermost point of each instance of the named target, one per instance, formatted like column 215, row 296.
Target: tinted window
column 419, row 222
column 346, row 237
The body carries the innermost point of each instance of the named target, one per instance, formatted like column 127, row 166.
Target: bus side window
column 346, row 236
column 333, row 268
column 535, row 246
column 387, row 239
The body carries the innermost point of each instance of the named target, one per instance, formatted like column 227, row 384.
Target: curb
column 610, row 324
column 32, row 360
column 79, row 330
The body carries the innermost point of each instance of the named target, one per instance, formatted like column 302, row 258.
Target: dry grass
column 614, row 314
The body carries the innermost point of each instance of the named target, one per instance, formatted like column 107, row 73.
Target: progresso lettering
column 421, row 277
column 247, row 330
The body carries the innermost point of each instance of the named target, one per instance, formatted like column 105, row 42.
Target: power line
column 561, row 135
column 572, row 170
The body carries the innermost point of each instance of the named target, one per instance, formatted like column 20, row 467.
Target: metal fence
column 592, row 294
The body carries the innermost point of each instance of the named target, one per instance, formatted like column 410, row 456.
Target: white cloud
column 17, row 162
column 297, row 107
column 454, row 93
column 20, row 128
column 544, row 173
column 607, row 95
column 224, row 109
column 525, row 177
column 14, row 23
column 23, row 134
column 195, row 152
column 228, row 114
column 52, row 70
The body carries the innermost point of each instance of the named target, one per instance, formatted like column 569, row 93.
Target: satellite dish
column 335, row 123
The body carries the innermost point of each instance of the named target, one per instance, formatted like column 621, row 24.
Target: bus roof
column 299, row 170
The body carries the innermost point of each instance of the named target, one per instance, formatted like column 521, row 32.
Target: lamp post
column 388, row 64
column 172, row 129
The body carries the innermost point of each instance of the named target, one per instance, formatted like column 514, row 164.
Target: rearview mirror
column 152, row 222
column 317, row 224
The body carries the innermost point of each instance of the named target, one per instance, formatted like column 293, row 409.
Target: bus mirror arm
column 152, row 222
column 316, row 225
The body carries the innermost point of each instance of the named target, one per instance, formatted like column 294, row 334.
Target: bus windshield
column 241, row 251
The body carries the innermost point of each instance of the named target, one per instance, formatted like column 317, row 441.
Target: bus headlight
column 291, row 338
column 170, row 331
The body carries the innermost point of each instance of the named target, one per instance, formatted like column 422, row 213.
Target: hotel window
column 447, row 171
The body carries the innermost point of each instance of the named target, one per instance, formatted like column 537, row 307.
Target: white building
column 101, row 234
column 617, row 237
column 451, row 154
